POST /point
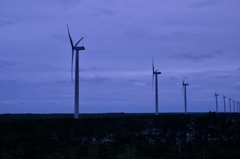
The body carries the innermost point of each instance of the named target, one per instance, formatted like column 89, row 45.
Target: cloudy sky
column 198, row 40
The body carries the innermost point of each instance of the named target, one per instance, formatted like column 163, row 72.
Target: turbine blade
column 152, row 82
column 152, row 73
column 182, row 87
column 70, row 38
column 152, row 66
column 78, row 41
column 72, row 65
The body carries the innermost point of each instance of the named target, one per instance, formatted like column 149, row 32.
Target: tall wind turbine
column 184, row 87
column 77, row 49
column 216, row 102
column 224, row 103
column 230, row 104
column 156, row 73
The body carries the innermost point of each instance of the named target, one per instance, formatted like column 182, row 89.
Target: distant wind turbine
column 233, row 101
column 77, row 49
column 237, row 105
column 224, row 103
column 216, row 102
column 230, row 104
column 156, row 73
column 184, row 88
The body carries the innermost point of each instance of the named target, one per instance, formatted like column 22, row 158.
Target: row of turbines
column 77, row 48
column 230, row 107
column 184, row 89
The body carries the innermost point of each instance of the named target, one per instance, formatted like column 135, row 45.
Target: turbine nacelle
column 156, row 72
column 185, row 94
column 79, row 48
column 184, row 84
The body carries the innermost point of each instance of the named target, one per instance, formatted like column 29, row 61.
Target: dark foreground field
column 120, row 136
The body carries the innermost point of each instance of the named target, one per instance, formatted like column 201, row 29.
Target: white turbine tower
column 216, row 102
column 224, row 103
column 184, row 87
column 156, row 73
column 230, row 104
column 77, row 49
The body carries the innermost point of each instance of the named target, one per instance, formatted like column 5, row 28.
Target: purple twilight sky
column 198, row 40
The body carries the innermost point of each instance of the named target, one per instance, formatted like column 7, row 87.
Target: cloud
column 64, row 81
column 196, row 87
column 104, row 12
column 95, row 79
column 173, row 78
column 5, row 63
column 235, row 86
column 9, row 103
column 86, row 69
column 193, row 56
column 140, row 83
column 202, row 4
column 225, row 75
column 137, row 33
column 4, row 23
column 13, row 81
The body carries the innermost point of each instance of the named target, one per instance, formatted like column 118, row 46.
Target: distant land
column 30, row 116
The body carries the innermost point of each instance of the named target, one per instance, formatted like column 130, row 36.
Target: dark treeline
column 178, row 136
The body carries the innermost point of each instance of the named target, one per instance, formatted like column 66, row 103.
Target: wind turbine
column 77, row 49
column 184, row 86
column 156, row 73
column 230, row 104
column 216, row 102
column 233, row 101
column 224, row 103
column 237, row 105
